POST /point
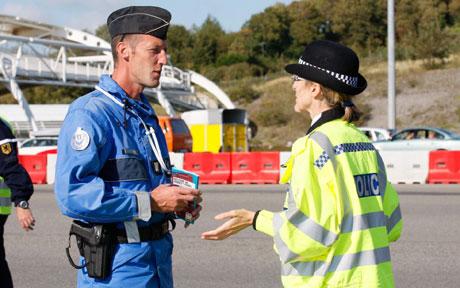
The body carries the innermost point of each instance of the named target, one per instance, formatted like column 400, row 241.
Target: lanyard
column 149, row 131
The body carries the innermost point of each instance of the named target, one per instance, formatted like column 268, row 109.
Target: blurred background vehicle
column 177, row 134
column 376, row 134
column 36, row 145
column 423, row 138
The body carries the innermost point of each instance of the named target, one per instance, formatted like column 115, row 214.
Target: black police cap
column 149, row 20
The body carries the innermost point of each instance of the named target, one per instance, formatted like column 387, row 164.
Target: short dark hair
column 115, row 40
column 131, row 39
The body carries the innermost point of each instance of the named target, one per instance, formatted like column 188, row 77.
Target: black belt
column 155, row 231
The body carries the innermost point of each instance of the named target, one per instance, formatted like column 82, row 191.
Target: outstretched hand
column 237, row 221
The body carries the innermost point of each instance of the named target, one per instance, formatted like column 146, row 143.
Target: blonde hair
column 336, row 99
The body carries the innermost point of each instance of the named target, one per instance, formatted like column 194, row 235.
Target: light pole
column 391, row 65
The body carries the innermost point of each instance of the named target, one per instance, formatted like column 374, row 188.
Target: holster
column 96, row 245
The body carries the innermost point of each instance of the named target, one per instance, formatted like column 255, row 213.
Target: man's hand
column 25, row 218
column 190, row 214
column 238, row 220
column 169, row 198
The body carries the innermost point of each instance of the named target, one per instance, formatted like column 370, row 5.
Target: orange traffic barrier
column 213, row 168
column 255, row 168
column 35, row 165
column 444, row 167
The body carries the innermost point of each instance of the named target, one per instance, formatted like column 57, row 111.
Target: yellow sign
column 6, row 148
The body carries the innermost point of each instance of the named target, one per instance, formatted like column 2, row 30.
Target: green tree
column 206, row 43
column 269, row 31
column 306, row 24
column 180, row 46
column 421, row 30
column 360, row 24
column 103, row 32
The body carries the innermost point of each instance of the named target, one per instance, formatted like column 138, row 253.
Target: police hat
column 149, row 20
column 332, row 65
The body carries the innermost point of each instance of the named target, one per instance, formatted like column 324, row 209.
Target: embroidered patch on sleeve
column 6, row 148
column 80, row 140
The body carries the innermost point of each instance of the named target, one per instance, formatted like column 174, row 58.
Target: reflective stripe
column 353, row 147
column 5, row 201
column 5, row 192
column 382, row 175
column 338, row 263
column 132, row 232
column 324, row 142
column 363, row 222
column 326, row 145
column 4, row 141
column 310, row 228
column 338, row 149
column 394, row 219
column 3, row 185
column 283, row 251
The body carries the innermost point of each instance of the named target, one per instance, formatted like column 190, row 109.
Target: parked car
column 376, row 134
column 423, row 138
column 36, row 145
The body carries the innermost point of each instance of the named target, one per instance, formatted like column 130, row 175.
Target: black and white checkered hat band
column 351, row 81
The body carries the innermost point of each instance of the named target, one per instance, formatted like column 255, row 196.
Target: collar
column 316, row 118
column 142, row 106
column 327, row 116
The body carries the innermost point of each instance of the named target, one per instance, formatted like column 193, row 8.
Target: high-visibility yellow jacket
column 5, row 198
column 341, row 212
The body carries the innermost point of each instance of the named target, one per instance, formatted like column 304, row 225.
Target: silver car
column 423, row 138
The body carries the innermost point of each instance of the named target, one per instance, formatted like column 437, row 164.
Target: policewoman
column 15, row 187
column 113, row 166
column 341, row 213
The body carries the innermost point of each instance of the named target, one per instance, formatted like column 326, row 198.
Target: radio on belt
column 185, row 179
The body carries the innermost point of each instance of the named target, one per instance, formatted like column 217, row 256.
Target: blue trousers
column 145, row 264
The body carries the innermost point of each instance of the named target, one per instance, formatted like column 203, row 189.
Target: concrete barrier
column 406, row 167
column 51, row 168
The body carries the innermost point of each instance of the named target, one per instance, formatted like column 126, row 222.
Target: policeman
column 16, row 187
column 340, row 213
column 113, row 165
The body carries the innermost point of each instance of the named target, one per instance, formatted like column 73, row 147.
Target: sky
column 87, row 14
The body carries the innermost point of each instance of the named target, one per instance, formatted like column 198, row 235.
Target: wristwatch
column 23, row 204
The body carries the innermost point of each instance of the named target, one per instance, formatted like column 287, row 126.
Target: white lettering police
column 367, row 185
column 80, row 140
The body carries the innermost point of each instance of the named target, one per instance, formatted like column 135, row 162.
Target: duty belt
column 155, row 231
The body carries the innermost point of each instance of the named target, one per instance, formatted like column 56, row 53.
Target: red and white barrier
column 213, row 168
column 444, row 167
column 255, row 168
column 406, row 167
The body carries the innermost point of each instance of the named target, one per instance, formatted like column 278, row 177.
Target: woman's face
column 303, row 94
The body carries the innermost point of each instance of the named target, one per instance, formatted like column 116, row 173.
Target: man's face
column 147, row 57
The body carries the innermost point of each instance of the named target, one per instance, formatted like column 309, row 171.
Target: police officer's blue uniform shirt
column 104, row 174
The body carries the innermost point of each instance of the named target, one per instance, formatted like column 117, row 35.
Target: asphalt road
column 427, row 255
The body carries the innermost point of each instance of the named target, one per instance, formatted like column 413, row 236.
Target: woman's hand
column 238, row 220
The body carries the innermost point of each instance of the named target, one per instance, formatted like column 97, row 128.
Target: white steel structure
column 33, row 53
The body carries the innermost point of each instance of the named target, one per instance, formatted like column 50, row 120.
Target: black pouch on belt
column 96, row 245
